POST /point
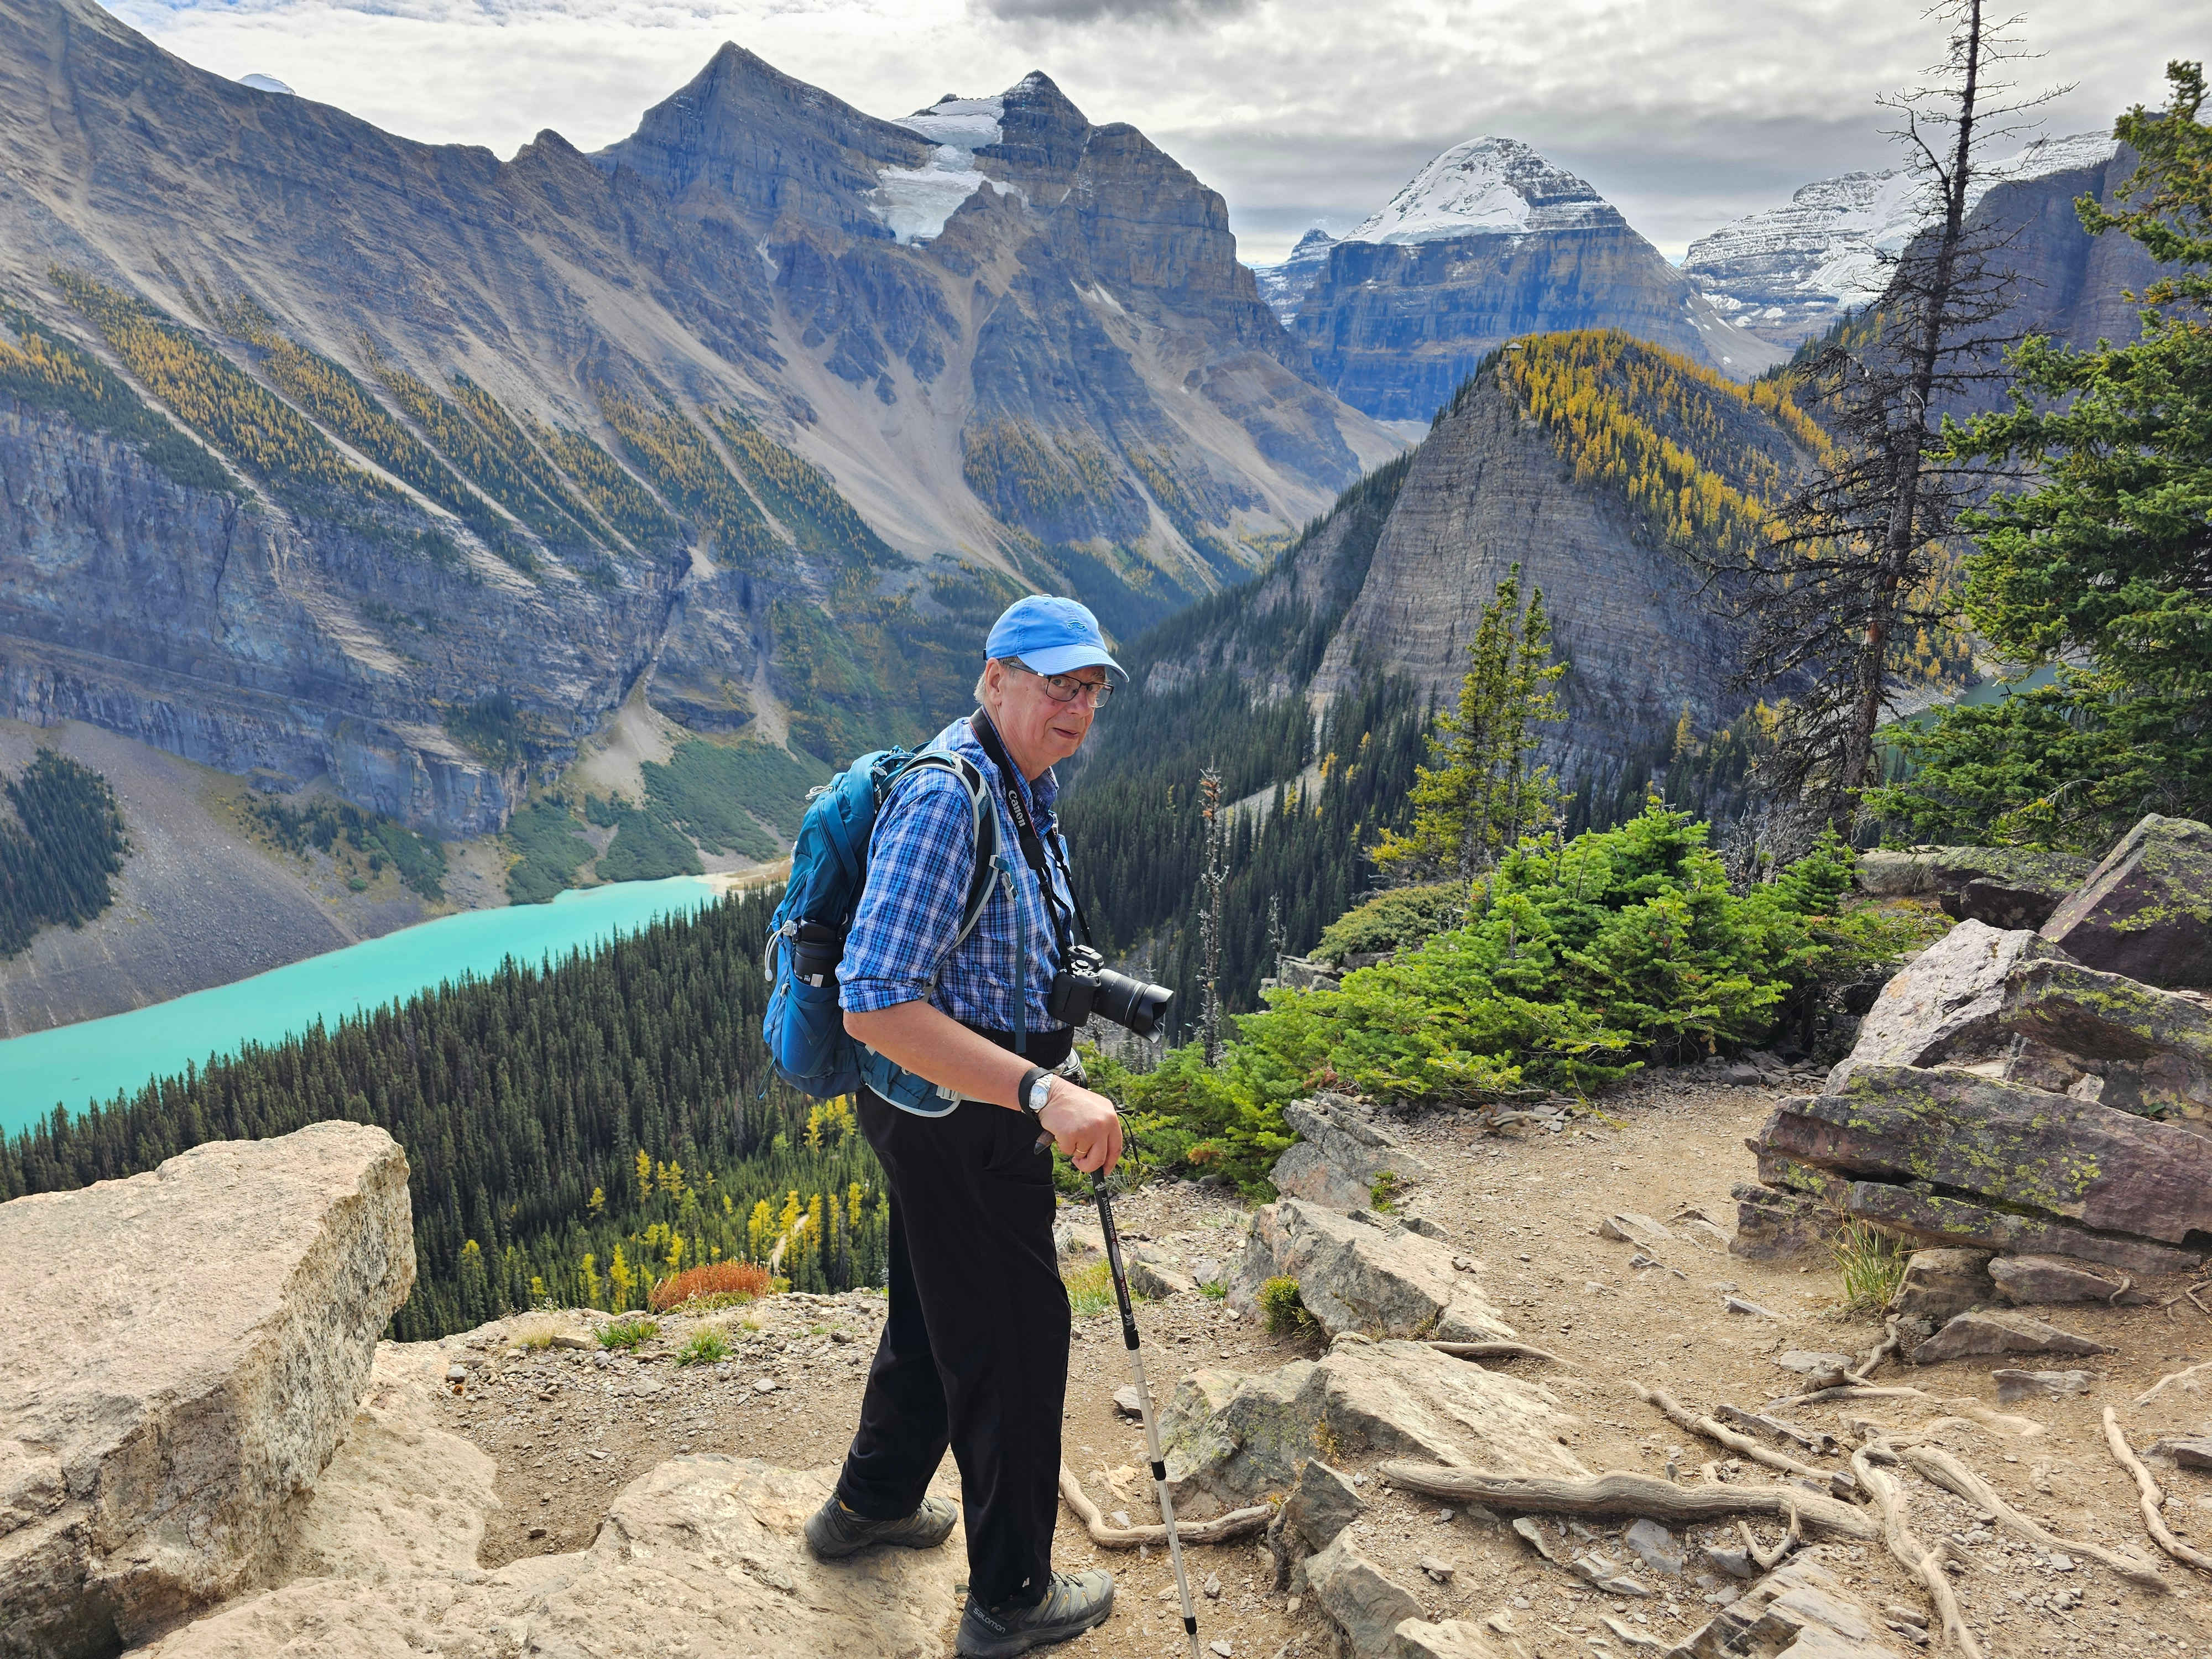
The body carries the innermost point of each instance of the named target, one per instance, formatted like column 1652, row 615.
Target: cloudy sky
column 1684, row 112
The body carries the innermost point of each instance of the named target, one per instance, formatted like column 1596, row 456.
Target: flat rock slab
column 2146, row 911
column 2015, row 1386
column 701, row 1554
column 1628, row 1227
column 2031, row 1280
column 1357, row 1278
column 1233, row 1438
column 1449, row 1638
column 1971, row 1334
column 1942, row 1220
column 2122, row 1043
column 1943, row 1004
column 2073, row 1158
column 180, row 1353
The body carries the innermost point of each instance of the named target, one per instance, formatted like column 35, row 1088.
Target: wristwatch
column 1036, row 1090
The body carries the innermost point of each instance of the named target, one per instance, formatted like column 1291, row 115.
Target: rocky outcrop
column 1369, row 1277
column 712, row 1545
column 1800, row 1610
column 180, row 1353
column 2146, row 911
column 2003, row 887
column 1340, row 1154
column 1489, row 243
column 1367, row 1604
column 1944, row 1005
column 1232, row 1439
column 1283, row 287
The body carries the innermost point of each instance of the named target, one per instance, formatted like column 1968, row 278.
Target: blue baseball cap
column 1051, row 635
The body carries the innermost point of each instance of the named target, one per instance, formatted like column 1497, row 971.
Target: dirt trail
column 569, row 1429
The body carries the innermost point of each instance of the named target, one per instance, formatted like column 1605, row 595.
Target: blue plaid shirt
column 920, row 860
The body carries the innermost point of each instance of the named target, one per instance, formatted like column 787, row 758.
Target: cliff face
column 1395, row 328
column 1397, row 575
column 761, row 409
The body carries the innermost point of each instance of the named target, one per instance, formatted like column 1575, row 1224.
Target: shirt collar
column 1038, row 795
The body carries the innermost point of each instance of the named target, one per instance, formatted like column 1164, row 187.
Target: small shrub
column 1382, row 1191
column 1392, row 919
column 705, row 1347
column 1089, row 1289
column 718, row 1284
column 1284, row 1310
column 1872, row 1265
column 627, row 1332
column 1213, row 1289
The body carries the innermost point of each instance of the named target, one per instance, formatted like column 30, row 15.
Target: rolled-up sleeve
column 922, row 859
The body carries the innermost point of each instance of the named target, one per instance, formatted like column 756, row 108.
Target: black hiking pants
column 974, row 1353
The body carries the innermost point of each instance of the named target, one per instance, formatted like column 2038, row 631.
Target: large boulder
column 1940, row 1283
column 180, row 1353
column 1943, row 1006
column 1233, row 1439
column 2146, row 911
column 2105, row 1168
column 2006, row 887
column 1971, row 1334
column 2110, row 1039
column 1340, row 1154
column 700, row 1554
column 1379, row 1280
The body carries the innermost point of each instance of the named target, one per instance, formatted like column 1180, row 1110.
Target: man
column 974, row 1353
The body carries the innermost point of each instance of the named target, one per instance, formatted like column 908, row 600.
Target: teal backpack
column 804, row 1027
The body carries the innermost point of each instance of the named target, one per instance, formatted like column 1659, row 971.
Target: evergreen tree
column 2104, row 567
column 1484, row 789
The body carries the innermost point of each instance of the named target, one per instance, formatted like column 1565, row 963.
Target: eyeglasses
column 1066, row 688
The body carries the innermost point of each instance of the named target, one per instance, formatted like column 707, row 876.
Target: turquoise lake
column 96, row 1059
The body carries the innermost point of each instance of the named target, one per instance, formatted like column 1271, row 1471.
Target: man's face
column 1039, row 731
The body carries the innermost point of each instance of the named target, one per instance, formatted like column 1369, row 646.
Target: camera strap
column 1034, row 850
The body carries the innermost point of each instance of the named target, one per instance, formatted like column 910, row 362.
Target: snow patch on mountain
column 913, row 203
column 1487, row 186
column 264, row 83
column 1786, row 272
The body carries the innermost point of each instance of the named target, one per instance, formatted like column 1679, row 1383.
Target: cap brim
column 1066, row 658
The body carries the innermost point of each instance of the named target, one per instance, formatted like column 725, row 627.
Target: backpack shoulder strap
column 986, row 813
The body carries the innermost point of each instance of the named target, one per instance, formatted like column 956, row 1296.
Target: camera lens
column 1131, row 1002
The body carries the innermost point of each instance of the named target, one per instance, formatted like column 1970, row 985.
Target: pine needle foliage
column 2103, row 566
column 811, row 508
column 62, row 852
column 685, row 469
column 607, row 486
column 1482, row 787
column 40, row 369
column 214, row 397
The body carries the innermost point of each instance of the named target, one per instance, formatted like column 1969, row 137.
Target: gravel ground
column 567, row 1427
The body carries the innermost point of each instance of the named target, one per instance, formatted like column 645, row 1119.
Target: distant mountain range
column 332, row 456
column 1789, row 271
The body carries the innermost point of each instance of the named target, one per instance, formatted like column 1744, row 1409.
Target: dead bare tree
column 1212, row 882
column 1842, row 601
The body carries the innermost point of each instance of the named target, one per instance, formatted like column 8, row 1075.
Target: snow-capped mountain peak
column 1487, row 186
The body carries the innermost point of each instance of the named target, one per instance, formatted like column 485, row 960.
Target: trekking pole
column 1144, row 1404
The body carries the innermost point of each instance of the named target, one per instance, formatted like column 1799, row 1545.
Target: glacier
column 913, row 203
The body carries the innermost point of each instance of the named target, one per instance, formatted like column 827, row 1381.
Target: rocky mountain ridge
column 1488, row 242
column 401, row 468
column 1787, row 273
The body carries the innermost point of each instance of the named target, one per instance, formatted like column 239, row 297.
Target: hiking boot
column 833, row 1530
column 1073, row 1602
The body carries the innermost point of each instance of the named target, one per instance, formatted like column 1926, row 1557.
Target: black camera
column 1087, row 987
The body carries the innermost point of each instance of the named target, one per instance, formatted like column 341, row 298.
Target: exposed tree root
column 1949, row 1472
column 2152, row 1499
column 1925, row 1564
column 1882, row 1351
column 1495, row 1351
column 2152, row 1393
column 1681, row 1417
column 1767, row 1560
column 1622, row 1493
column 1234, row 1524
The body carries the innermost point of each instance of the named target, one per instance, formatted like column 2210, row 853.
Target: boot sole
column 1021, row 1641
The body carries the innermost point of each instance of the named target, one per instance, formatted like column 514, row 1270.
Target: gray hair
column 985, row 670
